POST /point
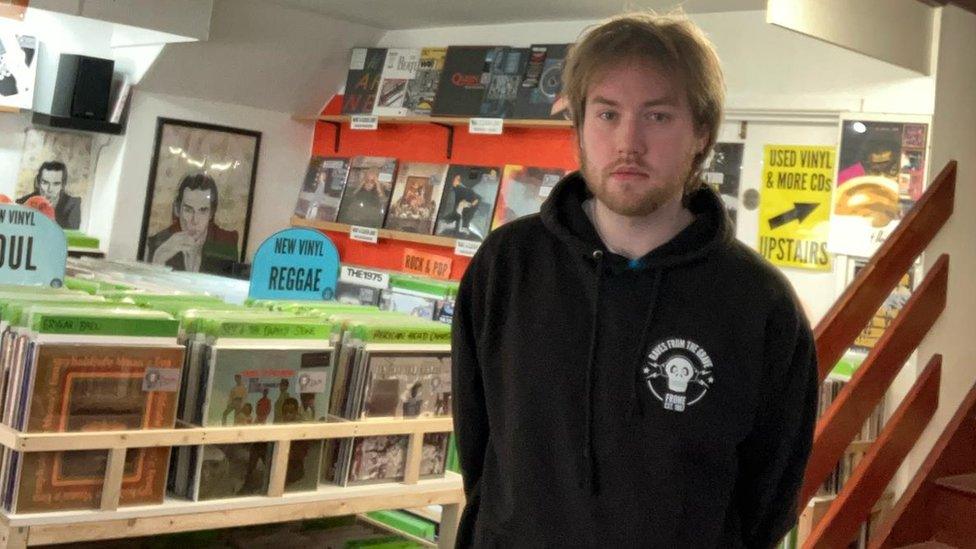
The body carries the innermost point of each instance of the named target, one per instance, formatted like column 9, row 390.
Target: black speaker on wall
column 82, row 87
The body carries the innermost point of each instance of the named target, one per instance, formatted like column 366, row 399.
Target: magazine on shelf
column 507, row 68
column 464, row 80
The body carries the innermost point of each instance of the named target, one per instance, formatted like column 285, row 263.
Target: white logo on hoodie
column 678, row 372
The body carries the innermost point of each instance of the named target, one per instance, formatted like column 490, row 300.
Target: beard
column 632, row 198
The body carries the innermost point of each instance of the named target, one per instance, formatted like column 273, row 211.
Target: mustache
column 625, row 163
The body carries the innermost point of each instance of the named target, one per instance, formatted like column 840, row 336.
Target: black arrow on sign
column 800, row 211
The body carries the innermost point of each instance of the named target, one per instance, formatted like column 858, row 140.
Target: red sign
column 425, row 264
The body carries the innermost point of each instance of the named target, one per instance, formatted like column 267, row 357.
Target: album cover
column 322, row 189
column 522, row 192
column 362, row 80
column 542, row 83
column 360, row 286
column 367, row 192
column 422, row 90
column 464, row 80
column 383, row 458
column 399, row 70
column 18, row 68
column 258, row 386
column 407, row 385
column 416, row 197
column 420, row 306
column 97, row 388
column 468, row 202
column 507, row 68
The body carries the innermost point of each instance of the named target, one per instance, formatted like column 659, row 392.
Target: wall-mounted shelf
column 450, row 120
column 432, row 240
column 12, row 110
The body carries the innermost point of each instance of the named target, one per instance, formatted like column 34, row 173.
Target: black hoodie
column 665, row 402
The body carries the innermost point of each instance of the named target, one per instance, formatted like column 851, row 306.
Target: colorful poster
column 794, row 210
column 880, row 176
column 892, row 305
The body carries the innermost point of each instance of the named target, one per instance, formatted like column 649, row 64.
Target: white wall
column 262, row 55
column 285, row 148
column 954, row 137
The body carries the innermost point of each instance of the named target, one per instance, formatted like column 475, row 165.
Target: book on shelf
column 542, row 83
column 362, row 80
column 416, row 197
column 399, row 69
column 322, row 188
column 523, row 190
column 464, row 80
column 368, row 189
column 422, row 89
column 468, row 202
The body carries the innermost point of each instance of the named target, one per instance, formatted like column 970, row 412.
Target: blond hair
column 670, row 42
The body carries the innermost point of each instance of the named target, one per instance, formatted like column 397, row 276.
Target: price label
column 426, row 264
column 364, row 234
column 466, row 248
column 487, row 126
column 364, row 122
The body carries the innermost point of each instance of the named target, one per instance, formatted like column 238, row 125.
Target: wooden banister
column 855, row 307
column 857, row 400
column 869, row 480
column 953, row 453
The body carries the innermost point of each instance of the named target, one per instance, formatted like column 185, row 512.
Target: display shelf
column 432, row 240
column 175, row 515
column 449, row 120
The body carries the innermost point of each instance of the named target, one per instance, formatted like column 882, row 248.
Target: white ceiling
column 416, row 14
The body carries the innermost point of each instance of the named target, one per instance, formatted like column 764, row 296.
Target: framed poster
column 199, row 197
column 881, row 171
column 57, row 166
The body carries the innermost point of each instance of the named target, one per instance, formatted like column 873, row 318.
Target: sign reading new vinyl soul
column 295, row 264
column 33, row 249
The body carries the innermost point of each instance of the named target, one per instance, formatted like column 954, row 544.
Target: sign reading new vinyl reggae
column 794, row 211
column 295, row 264
column 33, row 249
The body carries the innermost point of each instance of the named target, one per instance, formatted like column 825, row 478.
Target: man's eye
column 607, row 115
column 658, row 116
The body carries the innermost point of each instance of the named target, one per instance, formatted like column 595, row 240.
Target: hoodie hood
column 563, row 215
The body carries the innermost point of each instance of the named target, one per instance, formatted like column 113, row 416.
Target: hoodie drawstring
column 635, row 406
column 588, row 478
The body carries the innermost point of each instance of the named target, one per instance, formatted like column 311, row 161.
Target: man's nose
column 629, row 139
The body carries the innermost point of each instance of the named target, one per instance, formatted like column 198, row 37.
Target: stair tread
column 960, row 483
column 927, row 545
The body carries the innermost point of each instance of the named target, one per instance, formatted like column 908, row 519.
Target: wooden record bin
column 177, row 515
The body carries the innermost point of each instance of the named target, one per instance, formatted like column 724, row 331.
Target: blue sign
column 33, row 249
column 295, row 264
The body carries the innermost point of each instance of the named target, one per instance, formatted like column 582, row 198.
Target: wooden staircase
column 939, row 507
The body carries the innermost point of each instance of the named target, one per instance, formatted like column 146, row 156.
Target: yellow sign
column 794, row 210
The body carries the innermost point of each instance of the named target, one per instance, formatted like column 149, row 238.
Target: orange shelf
column 450, row 120
column 383, row 233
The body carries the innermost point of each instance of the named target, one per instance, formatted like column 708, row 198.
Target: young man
column 625, row 372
